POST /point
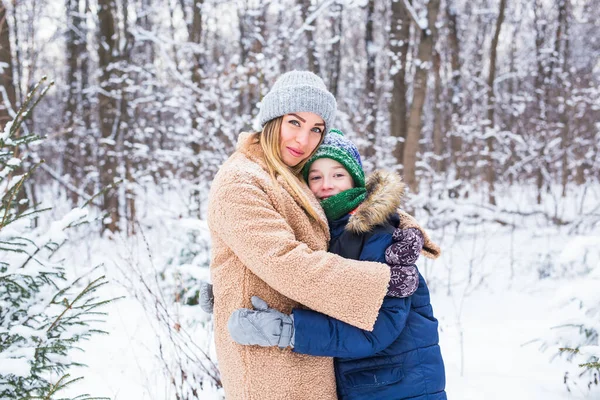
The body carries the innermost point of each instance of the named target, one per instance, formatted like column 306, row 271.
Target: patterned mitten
column 404, row 280
column 406, row 248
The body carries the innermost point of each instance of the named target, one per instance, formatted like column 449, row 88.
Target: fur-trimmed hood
column 385, row 191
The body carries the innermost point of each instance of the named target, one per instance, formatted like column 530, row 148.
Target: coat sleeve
column 430, row 249
column 319, row 335
column 242, row 216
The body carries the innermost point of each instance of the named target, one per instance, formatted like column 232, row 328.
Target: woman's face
column 300, row 134
column 328, row 177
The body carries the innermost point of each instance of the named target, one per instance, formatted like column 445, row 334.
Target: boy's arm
column 319, row 335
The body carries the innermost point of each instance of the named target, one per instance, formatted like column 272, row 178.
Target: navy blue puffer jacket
column 400, row 358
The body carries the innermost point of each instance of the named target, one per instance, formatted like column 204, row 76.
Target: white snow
column 15, row 366
column 502, row 297
column 6, row 131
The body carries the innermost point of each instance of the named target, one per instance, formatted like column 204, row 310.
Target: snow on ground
column 496, row 291
column 495, row 361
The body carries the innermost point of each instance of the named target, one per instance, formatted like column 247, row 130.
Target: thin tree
column 71, row 156
column 456, row 142
column 399, row 45
column 491, row 105
column 422, row 65
column 195, row 31
column 564, row 110
column 108, row 108
column 8, row 96
column 438, row 114
column 334, row 57
column 539, row 139
column 308, row 27
column 370, row 110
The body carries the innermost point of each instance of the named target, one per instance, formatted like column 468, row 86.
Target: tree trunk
column 491, row 105
column 438, row 116
column 565, row 134
column 71, row 156
column 540, row 121
column 513, row 89
column 125, row 123
column 8, row 103
column 8, row 95
column 456, row 142
column 311, row 53
column 17, row 65
column 195, row 37
column 424, row 55
column 89, row 154
column 370, row 111
column 108, row 109
column 335, row 55
column 399, row 41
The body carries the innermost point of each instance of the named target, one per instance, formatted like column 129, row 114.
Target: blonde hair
column 270, row 141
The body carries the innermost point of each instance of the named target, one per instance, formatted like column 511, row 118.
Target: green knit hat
column 337, row 147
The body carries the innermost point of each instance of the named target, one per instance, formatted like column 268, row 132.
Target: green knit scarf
column 337, row 206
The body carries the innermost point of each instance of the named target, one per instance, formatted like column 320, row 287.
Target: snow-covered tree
column 44, row 314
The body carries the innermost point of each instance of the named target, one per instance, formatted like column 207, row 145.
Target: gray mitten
column 206, row 297
column 262, row 326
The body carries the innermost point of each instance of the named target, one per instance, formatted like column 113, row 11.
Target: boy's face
column 328, row 177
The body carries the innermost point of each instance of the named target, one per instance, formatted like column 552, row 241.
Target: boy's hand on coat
column 206, row 297
column 262, row 326
column 404, row 280
column 406, row 248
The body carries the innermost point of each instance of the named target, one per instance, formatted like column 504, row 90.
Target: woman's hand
column 206, row 297
column 262, row 326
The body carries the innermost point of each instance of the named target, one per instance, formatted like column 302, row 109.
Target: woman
column 269, row 239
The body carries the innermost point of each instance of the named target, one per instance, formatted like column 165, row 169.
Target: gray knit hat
column 298, row 91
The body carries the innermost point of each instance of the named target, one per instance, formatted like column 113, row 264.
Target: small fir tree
column 43, row 316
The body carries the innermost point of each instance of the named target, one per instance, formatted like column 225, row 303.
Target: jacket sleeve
column 375, row 245
column 242, row 216
column 319, row 335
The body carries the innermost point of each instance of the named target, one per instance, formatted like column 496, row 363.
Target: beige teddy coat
column 264, row 244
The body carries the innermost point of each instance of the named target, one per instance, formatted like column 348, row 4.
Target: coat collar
column 384, row 195
column 248, row 145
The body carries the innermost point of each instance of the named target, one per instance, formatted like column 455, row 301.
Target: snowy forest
column 115, row 116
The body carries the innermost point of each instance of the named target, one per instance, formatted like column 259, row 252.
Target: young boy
column 400, row 358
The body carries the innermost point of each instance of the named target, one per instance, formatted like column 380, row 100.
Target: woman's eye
column 317, row 130
column 314, row 178
column 339, row 175
column 294, row 122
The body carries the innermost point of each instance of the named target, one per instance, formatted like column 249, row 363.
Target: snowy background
column 489, row 109
column 502, row 295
